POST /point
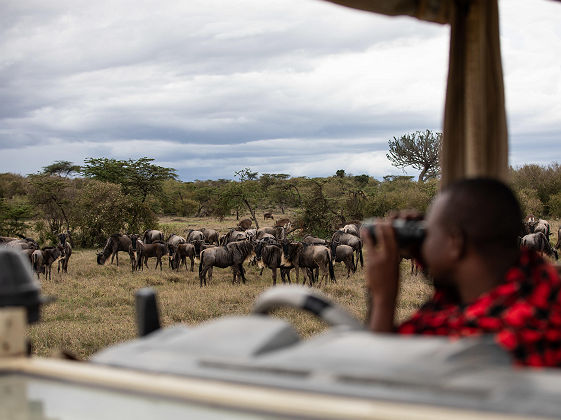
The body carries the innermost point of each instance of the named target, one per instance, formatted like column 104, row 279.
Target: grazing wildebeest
column 182, row 252
column 345, row 254
column 233, row 236
column 114, row 244
column 150, row 236
column 245, row 223
column 233, row 255
column 538, row 242
column 270, row 256
column 156, row 249
column 268, row 215
column 210, row 236
column 310, row 258
column 48, row 257
column 312, row 240
column 63, row 238
column 342, row 238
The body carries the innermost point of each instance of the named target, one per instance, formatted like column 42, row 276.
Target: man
column 484, row 284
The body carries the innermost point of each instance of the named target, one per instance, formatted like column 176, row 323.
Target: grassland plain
column 95, row 304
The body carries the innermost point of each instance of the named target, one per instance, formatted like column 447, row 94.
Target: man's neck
column 475, row 276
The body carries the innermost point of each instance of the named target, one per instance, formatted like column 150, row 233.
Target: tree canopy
column 419, row 150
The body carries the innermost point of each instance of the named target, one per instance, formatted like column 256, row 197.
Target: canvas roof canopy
column 475, row 137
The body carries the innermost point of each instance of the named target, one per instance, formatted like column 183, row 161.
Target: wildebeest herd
column 267, row 247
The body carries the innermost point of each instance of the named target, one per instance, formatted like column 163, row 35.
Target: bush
column 555, row 205
column 530, row 202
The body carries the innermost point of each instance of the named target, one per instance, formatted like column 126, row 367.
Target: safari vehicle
column 257, row 366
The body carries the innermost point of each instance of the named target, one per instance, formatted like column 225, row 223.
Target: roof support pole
column 475, row 140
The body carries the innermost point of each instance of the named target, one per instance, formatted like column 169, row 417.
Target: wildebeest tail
column 331, row 271
column 360, row 255
column 201, row 262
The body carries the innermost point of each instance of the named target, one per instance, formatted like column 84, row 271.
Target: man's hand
column 382, row 275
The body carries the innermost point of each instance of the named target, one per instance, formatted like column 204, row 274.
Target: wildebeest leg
column 274, row 270
column 261, row 272
column 58, row 268
column 242, row 273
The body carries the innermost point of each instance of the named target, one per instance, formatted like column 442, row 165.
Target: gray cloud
column 303, row 87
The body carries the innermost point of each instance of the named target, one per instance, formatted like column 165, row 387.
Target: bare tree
column 419, row 150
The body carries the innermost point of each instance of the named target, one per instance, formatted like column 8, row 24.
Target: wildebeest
column 144, row 251
column 22, row 243
column 63, row 238
column 233, row 236
column 182, row 252
column 538, row 242
column 312, row 240
column 352, row 228
column 150, row 236
column 233, row 255
column 210, row 235
column 558, row 245
column 172, row 242
column 262, row 231
column 114, row 244
column 43, row 259
column 245, row 223
column 342, row 238
column 345, row 254
column 270, row 256
column 134, row 249
column 310, row 258
column 543, row 227
column 268, row 215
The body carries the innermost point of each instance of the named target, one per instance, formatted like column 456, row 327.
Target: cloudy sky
column 211, row 86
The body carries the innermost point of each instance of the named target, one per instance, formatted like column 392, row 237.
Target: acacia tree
column 419, row 150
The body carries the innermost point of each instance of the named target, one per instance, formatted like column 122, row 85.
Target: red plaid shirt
column 523, row 312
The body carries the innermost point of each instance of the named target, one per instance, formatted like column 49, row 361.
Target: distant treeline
column 105, row 196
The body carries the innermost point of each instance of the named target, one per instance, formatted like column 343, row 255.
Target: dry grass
column 95, row 304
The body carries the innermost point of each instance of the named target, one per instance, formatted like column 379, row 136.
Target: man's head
column 473, row 217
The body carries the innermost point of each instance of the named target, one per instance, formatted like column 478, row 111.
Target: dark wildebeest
column 310, row 258
column 197, row 238
column 28, row 253
column 538, row 242
column 245, row 223
column 182, row 252
column 150, row 236
column 268, row 215
column 134, row 249
column 210, row 236
column 345, row 254
column 172, row 242
column 558, row 245
column 233, row 236
column 342, row 238
column 312, row 240
column 270, row 255
column 233, row 255
column 156, row 249
column 48, row 257
column 114, row 244
column 63, row 238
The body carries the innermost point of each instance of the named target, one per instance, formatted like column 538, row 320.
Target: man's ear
column 457, row 244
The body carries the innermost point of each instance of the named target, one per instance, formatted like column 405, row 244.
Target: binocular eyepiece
column 408, row 233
